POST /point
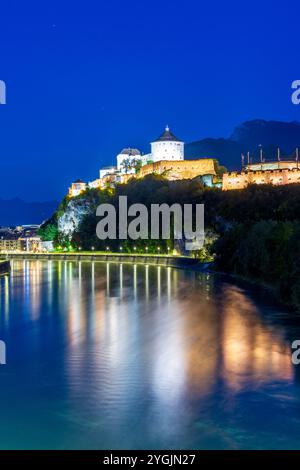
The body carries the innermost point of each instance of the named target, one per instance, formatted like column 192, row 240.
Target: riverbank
column 254, row 284
column 4, row 267
column 266, row 252
column 162, row 260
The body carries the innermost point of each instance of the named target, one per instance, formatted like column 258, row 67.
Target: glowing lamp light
column 93, row 248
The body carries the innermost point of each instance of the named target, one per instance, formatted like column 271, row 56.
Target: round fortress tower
column 167, row 147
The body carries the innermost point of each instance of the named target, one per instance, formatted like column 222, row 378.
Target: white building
column 107, row 170
column 167, row 147
column 127, row 160
column 77, row 188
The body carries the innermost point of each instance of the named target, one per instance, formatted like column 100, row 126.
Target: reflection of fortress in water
column 190, row 329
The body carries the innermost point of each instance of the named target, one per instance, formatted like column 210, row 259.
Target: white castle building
column 167, row 147
column 107, row 170
column 127, row 160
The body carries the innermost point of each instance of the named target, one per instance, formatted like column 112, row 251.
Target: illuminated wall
column 172, row 170
column 77, row 188
column 164, row 150
column 180, row 169
column 236, row 180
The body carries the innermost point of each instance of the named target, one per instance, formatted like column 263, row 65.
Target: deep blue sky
column 85, row 79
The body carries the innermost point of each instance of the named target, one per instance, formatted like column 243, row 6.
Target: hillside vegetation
column 253, row 232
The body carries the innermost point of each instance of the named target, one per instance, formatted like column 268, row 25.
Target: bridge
column 162, row 260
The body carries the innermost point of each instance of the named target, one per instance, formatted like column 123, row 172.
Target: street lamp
column 107, row 248
column 93, row 248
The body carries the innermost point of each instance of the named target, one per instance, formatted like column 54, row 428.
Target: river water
column 109, row 356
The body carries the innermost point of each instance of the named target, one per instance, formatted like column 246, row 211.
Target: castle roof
column 167, row 136
column 130, row 152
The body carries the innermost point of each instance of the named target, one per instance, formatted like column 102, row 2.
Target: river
column 109, row 356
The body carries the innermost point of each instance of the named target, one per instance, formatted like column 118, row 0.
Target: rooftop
column 167, row 136
column 131, row 152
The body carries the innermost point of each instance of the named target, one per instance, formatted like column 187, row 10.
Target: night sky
column 85, row 79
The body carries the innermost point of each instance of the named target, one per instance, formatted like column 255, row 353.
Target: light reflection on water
column 134, row 356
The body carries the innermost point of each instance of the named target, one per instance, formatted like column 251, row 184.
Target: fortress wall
column 180, row 169
column 174, row 170
column 278, row 165
column 235, row 180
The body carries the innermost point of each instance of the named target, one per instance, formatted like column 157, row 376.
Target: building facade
column 107, row 170
column 276, row 173
column 77, row 188
column 128, row 159
column 167, row 147
column 23, row 238
column 10, row 243
column 180, row 169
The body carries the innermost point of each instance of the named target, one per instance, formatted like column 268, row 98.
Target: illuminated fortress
column 277, row 173
column 166, row 158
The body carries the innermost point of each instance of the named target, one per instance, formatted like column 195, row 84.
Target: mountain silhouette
column 248, row 137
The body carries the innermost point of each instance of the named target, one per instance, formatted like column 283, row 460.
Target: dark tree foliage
column 48, row 230
column 258, row 228
column 267, row 251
